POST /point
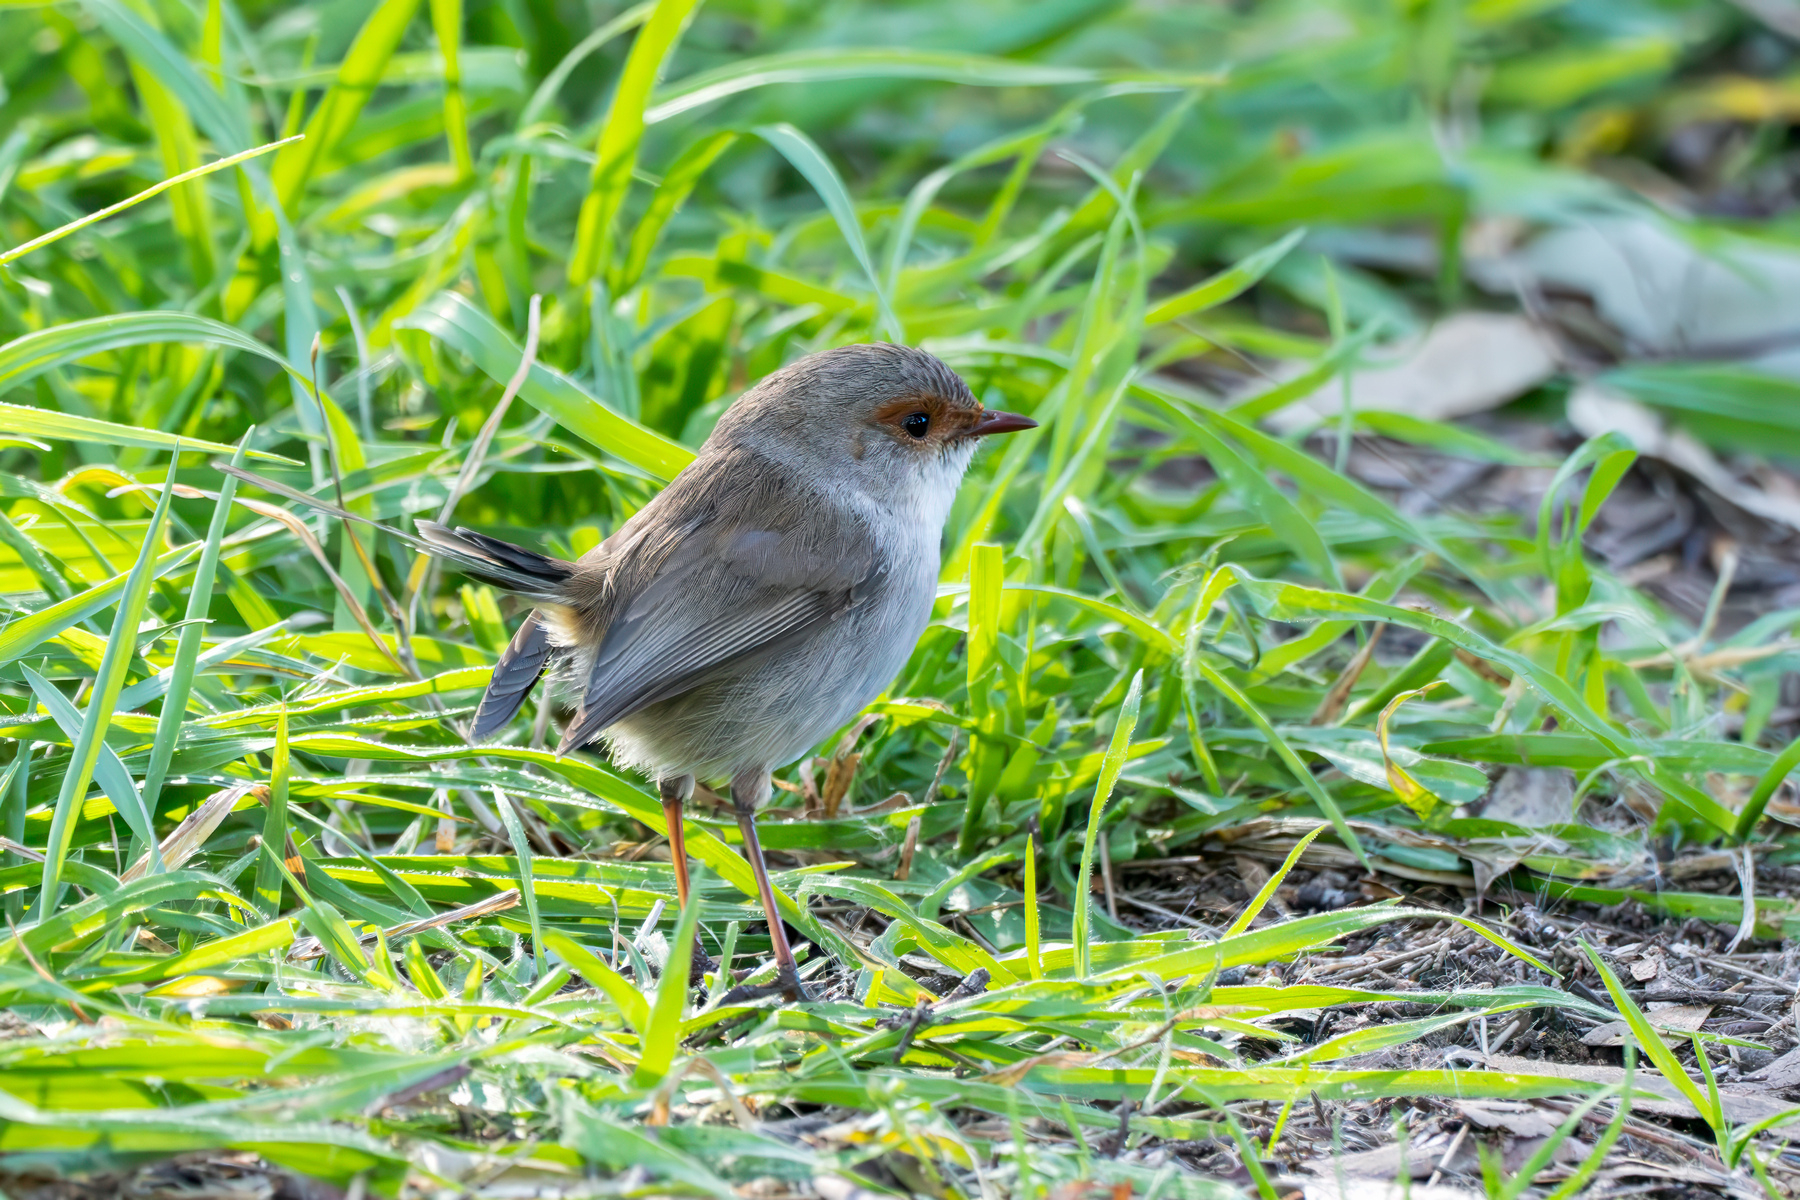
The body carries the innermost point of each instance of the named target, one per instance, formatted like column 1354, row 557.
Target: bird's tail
column 508, row 567
column 490, row 560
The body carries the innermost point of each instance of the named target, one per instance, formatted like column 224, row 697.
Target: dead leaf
column 1782, row 1074
column 1742, row 1105
column 1665, row 292
column 1532, row 797
column 1593, row 410
column 1467, row 363
column 1675, row 1020
column 1645, row 969
column 1515, row 1117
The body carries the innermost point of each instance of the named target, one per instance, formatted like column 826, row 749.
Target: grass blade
column 1110, row 768
column 109, row 771
column 121, row 645
column 515, row 832
column 187, row 647
column 812, row 164
column 357, row 77
column 269, row 869
column 617, row 151
column 1261, row 899
column 157, row 189
column 663, row 1034
column 1771, row 779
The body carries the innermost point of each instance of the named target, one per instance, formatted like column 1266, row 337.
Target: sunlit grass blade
column 1649, row 1041
column 677, row 184
column 121, row 646
column 337, row 111
column 109, row 771
column 187, row 648
column 545, row 94
column 1109, row 777
column 617, row 152
column 629, row 1000
column 269, row 869
column 451, row 318
column 812, row 164
column 861, row 62
column 17, row 419
column 663, row 1033
column 1259, row 901
column 515, row 832
column 81, row 223
column 1226, row 285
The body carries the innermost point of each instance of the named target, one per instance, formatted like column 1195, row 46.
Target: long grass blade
column 1110, row 769
column 156, row 189
column 115, row 661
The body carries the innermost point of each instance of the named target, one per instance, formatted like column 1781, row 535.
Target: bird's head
column 876, row 415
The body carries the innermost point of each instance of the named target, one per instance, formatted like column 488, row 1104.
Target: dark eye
column 917, row 424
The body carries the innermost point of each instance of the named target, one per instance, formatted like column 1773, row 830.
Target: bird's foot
column 786, row 983
column 698, row 968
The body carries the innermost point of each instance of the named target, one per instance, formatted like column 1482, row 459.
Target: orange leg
column 674, row 792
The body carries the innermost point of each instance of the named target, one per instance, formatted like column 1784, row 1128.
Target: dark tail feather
column 502, row 564
column 515, row 675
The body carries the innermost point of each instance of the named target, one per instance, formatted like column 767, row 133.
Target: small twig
column 907, row 849
column 1333, row 703
column 943, row 765
column 465, row 478
column 1160, row 911
column 1124, row 1134
column 1746, row 873
column 920, row 1014
column 1448, row 1154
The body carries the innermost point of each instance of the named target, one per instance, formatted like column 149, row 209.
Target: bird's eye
column 916, row 424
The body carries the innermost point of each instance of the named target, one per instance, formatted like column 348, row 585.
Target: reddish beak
column 1000, row 422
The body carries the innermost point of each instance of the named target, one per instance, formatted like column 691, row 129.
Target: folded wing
column 725, row 595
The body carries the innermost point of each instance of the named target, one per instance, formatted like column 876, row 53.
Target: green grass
column 1086, row 209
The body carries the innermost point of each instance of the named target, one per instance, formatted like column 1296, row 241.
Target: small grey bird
column 773, row 589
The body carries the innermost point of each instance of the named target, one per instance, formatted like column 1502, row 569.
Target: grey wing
column 712, row 606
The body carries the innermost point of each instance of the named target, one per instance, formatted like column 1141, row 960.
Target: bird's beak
column 1000, row 422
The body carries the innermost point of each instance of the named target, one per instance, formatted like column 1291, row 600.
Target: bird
column 771, row 591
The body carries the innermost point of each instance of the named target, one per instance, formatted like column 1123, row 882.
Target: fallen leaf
column 1742, row 1105
column 1532, row 797
column 1593, row 410
column 1514, row 1117
column 1467, row 363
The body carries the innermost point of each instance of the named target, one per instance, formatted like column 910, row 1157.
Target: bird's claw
column 786, row 983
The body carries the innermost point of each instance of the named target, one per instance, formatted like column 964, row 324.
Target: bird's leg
column 749, row 789
column 675, row 790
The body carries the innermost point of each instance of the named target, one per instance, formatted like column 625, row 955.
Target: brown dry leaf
column 1646, row 969
column 1012, row 1076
